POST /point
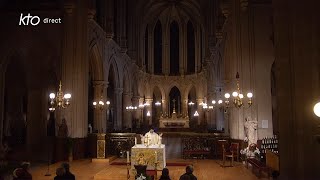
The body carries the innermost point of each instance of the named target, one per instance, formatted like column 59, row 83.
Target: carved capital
column 219, row 35
column 244, row 4
column 225, row 7
column 99, row 83
column 91, row 13
column 68, row 7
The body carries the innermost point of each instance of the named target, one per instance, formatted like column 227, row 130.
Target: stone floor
column 203, row 169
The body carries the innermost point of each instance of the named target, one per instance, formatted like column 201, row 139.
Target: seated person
column 68, row 175
column 60, row 173
column 165, row 174
column 188, row 174
column 22, row 173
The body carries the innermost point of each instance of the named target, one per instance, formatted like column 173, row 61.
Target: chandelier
column 101, row 104
column 237, row 96
column 60, row 100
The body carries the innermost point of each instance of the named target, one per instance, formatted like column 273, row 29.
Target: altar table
column 150, row 154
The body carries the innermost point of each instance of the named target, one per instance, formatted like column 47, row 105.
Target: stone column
column 2, row 83
column 75, row 67
column 99, row 120
column 165, row 51
column 198, row 51
column 183, row 48
column 123, row 25
column 164, row 104
column 127, row 115
column 109, row 6
column 135, row 102
column 149, row 109
column 36, row 117
column 150, row 50
column 200, row 110
column 118, row 109
column 184, row 103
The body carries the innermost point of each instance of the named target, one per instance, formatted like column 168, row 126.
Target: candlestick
column 128, row 157
column 135, row 141
column 156, row 156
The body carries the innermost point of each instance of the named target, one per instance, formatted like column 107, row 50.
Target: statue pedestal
column 101, row 146
column 150, row 154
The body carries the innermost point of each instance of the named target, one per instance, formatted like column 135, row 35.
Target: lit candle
column 156, row 156
column 135, row 141
column 128, row 157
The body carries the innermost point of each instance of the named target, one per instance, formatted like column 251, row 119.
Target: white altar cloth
column 150, row 154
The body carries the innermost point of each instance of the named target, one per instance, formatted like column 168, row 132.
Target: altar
column 174, row 121
column 148, row 155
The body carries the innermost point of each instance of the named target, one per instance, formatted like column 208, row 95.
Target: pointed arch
column 95, row 64
column 175, row 100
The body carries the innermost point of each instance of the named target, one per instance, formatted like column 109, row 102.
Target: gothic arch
column 113, row 63
column 95, row 64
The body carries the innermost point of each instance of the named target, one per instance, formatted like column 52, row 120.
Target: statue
column 63, row 129
column 90, row 128
column 250, row 128
column 151, row 138
column 141, row 159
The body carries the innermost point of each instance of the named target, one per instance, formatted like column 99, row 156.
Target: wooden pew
column 259, row 165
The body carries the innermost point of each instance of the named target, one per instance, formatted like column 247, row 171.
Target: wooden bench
column 258, row 164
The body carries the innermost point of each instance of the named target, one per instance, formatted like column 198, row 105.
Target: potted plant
column 69, row 145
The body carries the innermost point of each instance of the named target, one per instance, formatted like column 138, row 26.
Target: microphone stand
column 48, row 168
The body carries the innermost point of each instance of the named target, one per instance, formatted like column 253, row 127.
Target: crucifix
column 174, row 105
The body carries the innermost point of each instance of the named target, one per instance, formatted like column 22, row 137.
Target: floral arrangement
column 141, row 177
column 250, row 152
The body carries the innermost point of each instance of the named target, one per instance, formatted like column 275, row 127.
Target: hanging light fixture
column 237, row 96
column 101, row 104
column 60, row 100
column 316, row 109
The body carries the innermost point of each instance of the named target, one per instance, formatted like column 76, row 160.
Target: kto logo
column 25, row 20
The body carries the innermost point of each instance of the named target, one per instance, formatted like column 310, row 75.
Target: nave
column 203, row 169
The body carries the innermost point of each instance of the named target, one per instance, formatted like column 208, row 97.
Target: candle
column 128, row 157
column 135, row 141
column 156, row 156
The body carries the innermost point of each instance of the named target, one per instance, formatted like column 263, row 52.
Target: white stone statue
column 250, row 128
column 151, row 138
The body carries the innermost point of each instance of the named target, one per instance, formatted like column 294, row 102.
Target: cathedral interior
column 241, row 70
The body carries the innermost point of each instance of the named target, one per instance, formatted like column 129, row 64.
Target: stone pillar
column 150, row 50
column 200, row 110
column 165, row 51
column 127, row 115
column 164, row 104
column 118, row 109
column 109, row 6
column 36, row 117
column 198, row 50
column 99, row 115
column 75, row 67
column 135, row 102
column 149, row 109
column 183, row 48
column 123, row 25
column 2, row 83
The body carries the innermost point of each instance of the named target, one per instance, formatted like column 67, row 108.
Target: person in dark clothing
column 22, row 173
column 188, row 174
column 67, row 175
column 60, row 173
column 165, row 174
